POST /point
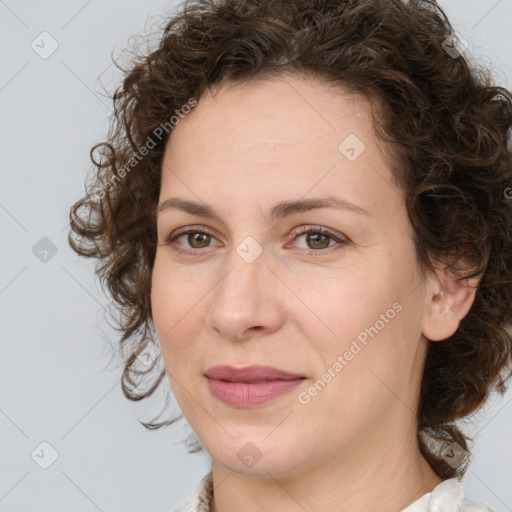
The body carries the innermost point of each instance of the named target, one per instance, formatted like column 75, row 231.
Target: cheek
column 365, row 315
column 173, row 319
column 161, row 300
column 169, row 305
column 179, row 311
column 344, row 306
column 366, row 367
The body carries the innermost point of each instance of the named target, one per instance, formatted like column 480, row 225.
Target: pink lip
column 237, row 386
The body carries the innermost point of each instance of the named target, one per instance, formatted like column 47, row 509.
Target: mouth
column 250, row 374
column 251, row 386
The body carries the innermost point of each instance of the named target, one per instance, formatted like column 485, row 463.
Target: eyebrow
column 278, row 211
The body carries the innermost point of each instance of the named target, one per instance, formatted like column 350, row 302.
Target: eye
column 320, row 239
column 197, row 238
column 200, row 238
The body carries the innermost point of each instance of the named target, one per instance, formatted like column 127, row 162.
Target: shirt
column 448, row 496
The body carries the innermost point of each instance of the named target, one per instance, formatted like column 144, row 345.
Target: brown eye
column 318, row 240
column 190, row 240
column 201, row 239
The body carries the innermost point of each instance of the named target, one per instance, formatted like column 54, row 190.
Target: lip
column 249, row 373
column 250, row 386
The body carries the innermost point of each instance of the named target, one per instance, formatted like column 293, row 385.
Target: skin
column 241, row 150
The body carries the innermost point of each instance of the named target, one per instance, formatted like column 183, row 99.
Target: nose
column 248, row 300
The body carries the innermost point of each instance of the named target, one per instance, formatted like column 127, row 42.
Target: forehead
column 286, row 106
column 263, row 138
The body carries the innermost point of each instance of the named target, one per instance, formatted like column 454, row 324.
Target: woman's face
column 342, row 311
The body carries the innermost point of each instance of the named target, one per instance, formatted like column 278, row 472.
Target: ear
column 449, row 300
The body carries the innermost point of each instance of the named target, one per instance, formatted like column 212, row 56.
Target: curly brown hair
column 445, row 121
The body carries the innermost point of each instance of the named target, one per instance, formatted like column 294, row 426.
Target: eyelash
column 301, row 231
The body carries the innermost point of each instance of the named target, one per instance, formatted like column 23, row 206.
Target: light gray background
column 55, row 378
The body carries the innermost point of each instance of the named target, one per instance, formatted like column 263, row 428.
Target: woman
column 305, row 204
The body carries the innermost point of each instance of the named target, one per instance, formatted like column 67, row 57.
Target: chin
column 256, row 453
column 275, row 465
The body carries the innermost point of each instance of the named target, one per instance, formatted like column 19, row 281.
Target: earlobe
column 447, row 305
